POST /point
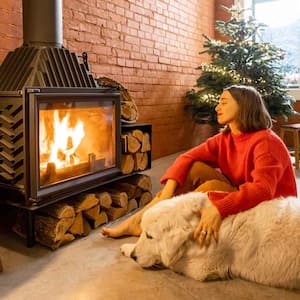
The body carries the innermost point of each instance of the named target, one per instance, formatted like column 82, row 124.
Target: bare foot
column 129, row 226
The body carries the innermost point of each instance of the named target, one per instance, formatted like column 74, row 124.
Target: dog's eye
column 148, row 236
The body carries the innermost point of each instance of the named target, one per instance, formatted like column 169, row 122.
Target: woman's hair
column 252, row 115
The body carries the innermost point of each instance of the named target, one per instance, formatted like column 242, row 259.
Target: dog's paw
column 127, row 249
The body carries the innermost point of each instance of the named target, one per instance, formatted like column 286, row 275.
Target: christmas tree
column 239, row 59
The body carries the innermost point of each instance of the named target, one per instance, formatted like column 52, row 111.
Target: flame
column 65, row 140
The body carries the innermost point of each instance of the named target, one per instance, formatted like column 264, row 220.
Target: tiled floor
column 92, row 268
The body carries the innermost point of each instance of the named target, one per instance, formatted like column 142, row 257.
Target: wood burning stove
column 59, row 129
column 57, row 142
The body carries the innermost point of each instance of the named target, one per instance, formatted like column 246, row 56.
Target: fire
column 60, row 146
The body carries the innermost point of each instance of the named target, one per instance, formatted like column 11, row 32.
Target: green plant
column 239, row 59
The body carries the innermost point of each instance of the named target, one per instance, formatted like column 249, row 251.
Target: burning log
column 53, row 174
column 49, row 175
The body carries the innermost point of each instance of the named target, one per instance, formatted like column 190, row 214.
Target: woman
column 247, row 161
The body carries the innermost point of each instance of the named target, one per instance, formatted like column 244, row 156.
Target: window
column 282, row 18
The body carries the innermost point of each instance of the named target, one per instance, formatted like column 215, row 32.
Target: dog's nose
column 133, row 256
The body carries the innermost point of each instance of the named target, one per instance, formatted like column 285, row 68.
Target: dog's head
column 165, row 229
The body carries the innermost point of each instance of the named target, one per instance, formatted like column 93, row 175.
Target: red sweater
column 258, row 163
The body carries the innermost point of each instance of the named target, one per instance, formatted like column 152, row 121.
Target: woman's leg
column 200, row 177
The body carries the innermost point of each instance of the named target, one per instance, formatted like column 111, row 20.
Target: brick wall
column 150, row 47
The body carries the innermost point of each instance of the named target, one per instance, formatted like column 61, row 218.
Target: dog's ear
column 172, row 245
column 192, row 204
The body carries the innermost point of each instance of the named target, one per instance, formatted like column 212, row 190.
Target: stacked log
column 136, row 146
column 63, row 222
column 129, row 110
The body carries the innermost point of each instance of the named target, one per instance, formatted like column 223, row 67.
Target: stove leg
column 30, row 229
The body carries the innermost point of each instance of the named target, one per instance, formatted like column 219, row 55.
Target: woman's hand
column 209, row 225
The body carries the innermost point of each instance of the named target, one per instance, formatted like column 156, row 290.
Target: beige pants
column 203, row 178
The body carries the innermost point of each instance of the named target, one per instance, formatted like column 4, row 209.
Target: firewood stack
column 129, row 111
column 67, row 220
column 135, row 151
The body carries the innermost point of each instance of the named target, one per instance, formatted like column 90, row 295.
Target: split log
column 77, row 226
column 84, row 202
column 129, row 111
column 145, row 199
column 138, row 134
column 86, row 227
column 114, row 213
column 133, row 144
column 146, row 145
column 92, row 213
column 59, row 210
column 67, row 238
column 138, row 193
column 104, row 199
column 142, row 181
column 140, row 161
column 119, row 199
column 101, row 219
column 127, row 163
column 51, row 230
column 132, row 205
column 126, row 187
column 95, row 216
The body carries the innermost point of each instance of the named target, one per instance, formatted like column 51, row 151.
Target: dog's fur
column 261, row 244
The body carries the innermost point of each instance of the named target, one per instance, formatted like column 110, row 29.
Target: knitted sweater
column 258, row 163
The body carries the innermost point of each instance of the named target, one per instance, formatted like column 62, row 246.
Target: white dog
column 261, row 244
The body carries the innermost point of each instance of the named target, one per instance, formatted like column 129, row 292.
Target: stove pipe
column 42, row 23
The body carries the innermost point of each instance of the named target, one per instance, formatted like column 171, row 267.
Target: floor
column 92, row 268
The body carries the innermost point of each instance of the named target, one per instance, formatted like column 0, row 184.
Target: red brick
column 150, row 47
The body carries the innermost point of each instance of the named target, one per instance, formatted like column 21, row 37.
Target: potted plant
column 239, row 59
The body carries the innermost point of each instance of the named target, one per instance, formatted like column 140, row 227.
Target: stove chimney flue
column 42, row 23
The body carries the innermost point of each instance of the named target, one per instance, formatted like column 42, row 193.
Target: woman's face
column 227, row 110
